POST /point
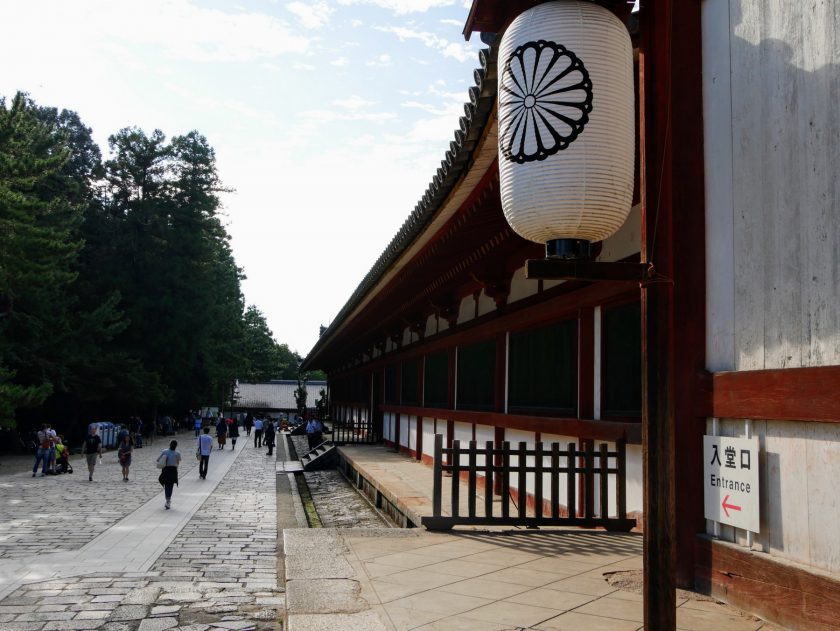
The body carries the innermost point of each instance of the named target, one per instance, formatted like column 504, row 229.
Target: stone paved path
column 216, row 570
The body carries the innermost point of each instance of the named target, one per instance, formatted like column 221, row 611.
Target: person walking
column 270, row 434
column 205, row 447
column 314, row 433
column 124, row 455
column 249, row 423
column 170, row 459
column 233, row 432
column 42, row 455
column 221, row 433
column 258, row 432
column 92, row 449
column 197, row 425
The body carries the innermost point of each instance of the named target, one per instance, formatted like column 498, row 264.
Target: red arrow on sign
column 726, row 506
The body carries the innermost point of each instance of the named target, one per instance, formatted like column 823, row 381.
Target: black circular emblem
column 545, row 99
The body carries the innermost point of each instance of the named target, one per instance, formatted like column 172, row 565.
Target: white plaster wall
column 431, row 325
column 483, row 433
column 405, row 430
column 406, row 337
column 547, row 440
column 635, row 483
column 388, row 426
column 626, row 241
column 514, row 437
column 548, row 284
column 485, row 304
column 521, row 287
column 429, row 437
column 443, row 324
column 466, row 310
column 463, row 432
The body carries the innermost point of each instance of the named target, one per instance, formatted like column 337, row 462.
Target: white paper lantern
column 566, row 127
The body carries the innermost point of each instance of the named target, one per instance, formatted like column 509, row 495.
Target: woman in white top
column 169, row 475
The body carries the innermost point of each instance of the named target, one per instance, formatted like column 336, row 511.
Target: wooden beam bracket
column 561, row 269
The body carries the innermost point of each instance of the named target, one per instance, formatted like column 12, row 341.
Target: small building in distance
column 277, row 395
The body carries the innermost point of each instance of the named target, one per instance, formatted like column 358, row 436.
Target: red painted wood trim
column 557, row 303
column 419, row 437
column 584, row 428
column 586, row 363
column 781, row 592
column 788, row 394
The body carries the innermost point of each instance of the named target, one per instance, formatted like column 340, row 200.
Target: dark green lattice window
column 621, row 377
column 436, row 380
column 542, row 369
column 409, row 383
column 477, row 376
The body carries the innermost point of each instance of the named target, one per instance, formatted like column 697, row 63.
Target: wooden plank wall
column 773, row 254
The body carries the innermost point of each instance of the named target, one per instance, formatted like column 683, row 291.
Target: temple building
column 731, row 328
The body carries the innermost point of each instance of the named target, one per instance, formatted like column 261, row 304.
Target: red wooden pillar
column 397, row 420
column 418, row 443
column 586, row 363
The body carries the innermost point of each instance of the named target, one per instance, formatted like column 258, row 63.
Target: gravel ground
column 339, row 505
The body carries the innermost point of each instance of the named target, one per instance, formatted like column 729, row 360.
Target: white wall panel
column 521, row 287
column 429, row 437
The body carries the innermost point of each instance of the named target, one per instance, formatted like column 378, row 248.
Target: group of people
column 51, row 454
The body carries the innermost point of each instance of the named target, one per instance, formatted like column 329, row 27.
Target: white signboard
column 730, row 481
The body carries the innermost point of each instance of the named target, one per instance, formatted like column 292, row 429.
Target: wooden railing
column 565, row 468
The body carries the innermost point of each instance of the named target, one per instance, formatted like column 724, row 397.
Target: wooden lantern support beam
column 560, row 269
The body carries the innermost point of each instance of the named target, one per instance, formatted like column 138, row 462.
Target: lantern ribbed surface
column 566, row 122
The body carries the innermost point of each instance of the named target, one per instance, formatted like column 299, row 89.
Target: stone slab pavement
column 493, row 579
column 209, row 563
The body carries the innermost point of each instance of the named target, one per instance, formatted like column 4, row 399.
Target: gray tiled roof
column 274, row 395
column 455, row 163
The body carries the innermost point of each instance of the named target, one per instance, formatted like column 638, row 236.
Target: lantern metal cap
column 568, row 249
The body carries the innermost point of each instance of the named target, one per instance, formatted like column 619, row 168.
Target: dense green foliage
column 119, row 293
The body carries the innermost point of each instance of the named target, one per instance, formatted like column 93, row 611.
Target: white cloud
column 355, row 102
column 212, row 35
column 356, row 23
column 381, row 61
column 457, row 23
column 401, row 7
column 459, row 51
column 340, row 61
column 312, row 15
column 299, row 65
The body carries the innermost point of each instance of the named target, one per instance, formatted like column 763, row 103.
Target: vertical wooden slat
column 605, row 478
column 522, row 481
column 621, row 479
column 505, row 479
column 538, row 480
column 555, row 480
column 571, row 480
column 488, row 478
column 437, row 476
column 499, row 436
column 472, row 480
column 456, row 476
column 589, row 478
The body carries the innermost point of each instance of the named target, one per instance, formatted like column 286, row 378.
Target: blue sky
column 329, row 118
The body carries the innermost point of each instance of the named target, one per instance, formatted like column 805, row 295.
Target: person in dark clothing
column 170, row 458
column 249, row 423
column 233, row 432
column 221, row 433
column 269, row 435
